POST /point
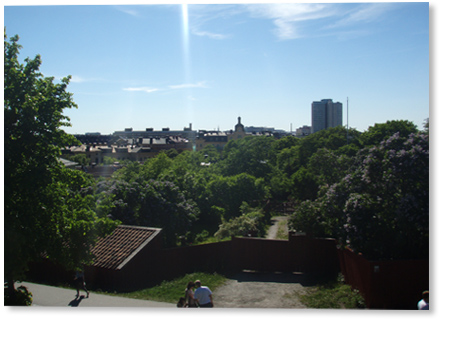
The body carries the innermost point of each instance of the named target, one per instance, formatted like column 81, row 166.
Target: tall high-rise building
column 325, row 114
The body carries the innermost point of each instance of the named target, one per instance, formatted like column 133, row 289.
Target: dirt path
column 262, row 290
column 278, row 222
column 250, row 289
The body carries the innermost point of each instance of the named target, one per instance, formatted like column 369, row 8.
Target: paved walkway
column 44, row 295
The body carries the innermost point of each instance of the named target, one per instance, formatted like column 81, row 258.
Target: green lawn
column 171, row 291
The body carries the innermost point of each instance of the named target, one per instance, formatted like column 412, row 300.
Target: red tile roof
column 116, row 249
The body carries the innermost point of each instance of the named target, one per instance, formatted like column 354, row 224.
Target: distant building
column 303, row 131
column 129, row 133
column 118, row 148
column 259, row 130
column 239, row 131
column 219, row 139
column 325, row 114
column 140, row 145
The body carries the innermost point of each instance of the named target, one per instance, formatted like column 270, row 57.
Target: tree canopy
column 49, row 210
column 381, row 207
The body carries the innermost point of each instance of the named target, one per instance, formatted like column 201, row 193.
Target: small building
column 124, row 259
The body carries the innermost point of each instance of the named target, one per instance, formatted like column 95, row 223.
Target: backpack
column 181, row 302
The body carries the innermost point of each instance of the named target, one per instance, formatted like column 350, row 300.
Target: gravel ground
column 262, row 290
column 250, row 289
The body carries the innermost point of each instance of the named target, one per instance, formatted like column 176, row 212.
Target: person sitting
column 189, row 295
column 203, row 295
column 424, row 303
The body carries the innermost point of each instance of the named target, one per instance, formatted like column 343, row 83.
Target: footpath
column 44, row 295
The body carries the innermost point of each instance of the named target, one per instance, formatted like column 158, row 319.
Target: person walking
column 203, row 295
column 80, row 282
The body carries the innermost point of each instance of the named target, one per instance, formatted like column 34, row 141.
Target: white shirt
column 202, row 294
column 423, row 305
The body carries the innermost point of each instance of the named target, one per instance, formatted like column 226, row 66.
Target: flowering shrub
column 381, row 208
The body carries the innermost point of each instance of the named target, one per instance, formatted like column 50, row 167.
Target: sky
column 167, row 66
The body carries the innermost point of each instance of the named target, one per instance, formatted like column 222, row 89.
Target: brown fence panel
column 318, row 255
column 260, row 254
column 153, row 265
column 386, row 284
column 175, row 262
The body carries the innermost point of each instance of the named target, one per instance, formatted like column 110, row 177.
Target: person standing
column 203, row 295
column 424, row 303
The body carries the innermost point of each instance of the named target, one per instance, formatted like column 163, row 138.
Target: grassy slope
column 171, row 291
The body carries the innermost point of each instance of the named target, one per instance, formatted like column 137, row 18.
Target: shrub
column 333, row 295
column 20, row 297
column 252, row 222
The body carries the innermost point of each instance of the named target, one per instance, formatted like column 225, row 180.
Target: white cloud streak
column 189, row 85
column 211, row 35
column 128, row 11
column 291, row 20
column 141, row 89
column 286, row 17
column 363, row 14
column 144, row 89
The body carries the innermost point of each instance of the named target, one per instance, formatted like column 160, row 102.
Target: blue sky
column 171, row 65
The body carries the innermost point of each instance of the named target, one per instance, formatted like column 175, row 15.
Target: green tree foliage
column 79, row 158
column 230, row 192
column 290, row 160
column 381, row 208
column 253, row 222
column 45, row 213
column 382, row 131
column 305, row 185
column 251, row 155
column 252, row 170
column 156, row 204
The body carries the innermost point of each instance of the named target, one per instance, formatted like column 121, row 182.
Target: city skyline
column 167, row 66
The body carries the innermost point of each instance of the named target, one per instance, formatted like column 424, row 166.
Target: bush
column 20, row 297
column 333, row 295
column 252, row 222
column 381, row 208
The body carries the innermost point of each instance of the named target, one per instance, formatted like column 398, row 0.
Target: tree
column 81, row 159
column 381, row 207
column 382, row 131
column 230, row 192
column 253, row 155
column 253, row 221
column 43, row 205
column 290, row 160
column 158, row 204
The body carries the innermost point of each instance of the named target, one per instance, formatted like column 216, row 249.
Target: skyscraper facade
column 325, row 114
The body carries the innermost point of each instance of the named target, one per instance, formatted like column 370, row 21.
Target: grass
column 333, row 295
column 171, row 291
